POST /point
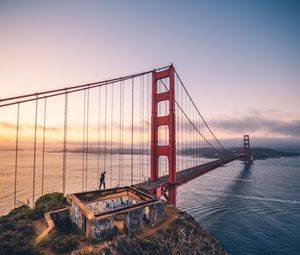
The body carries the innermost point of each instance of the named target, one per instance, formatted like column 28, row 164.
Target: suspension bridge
column 142, row 129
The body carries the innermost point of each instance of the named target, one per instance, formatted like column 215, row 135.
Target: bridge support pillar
column 169, row 120
column 247, row 152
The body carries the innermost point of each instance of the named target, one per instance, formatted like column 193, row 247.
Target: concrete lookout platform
column 98, row 215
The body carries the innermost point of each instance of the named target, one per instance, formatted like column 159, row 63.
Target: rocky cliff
column 181, row 235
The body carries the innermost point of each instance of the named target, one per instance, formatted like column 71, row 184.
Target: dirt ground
column 39, row 226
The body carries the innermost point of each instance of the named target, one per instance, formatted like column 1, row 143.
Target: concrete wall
column 102, row 229
column 76, row 218
column 157, row 214
column 93, row 221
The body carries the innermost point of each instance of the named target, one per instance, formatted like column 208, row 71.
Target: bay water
column 249, row 209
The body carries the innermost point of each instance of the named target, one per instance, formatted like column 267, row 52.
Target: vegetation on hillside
column 182, row 236
column 16, row 228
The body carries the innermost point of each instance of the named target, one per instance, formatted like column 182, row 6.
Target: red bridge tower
column 247, row 152
column 169, row 120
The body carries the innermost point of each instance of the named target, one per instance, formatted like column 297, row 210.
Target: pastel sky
column 240, row 60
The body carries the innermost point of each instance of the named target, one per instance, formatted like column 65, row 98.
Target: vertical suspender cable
column 203, row 143
column 65, row 144
column 194, row 156
column 195, row 135
column 16, row 156
column 99, row 116
column 143, row 123
column 148, row 126
column 34, row 152
column 87, row 138
column 182, row 131
column 197, row 140
column 122, row 125
column 132, row 105
column 120, row 134
column 83, row 141
column 192, row 141
column 190, row 132
column 190, row 147
column 111, row 132
column 186, row 136
column 44, row 137
column 105, row 125
column 197, row 144
column 140, row 172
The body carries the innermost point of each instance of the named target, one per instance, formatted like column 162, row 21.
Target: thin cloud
column 8, row 125
column 253, row 124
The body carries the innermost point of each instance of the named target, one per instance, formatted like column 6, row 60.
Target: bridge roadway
column 189, row 174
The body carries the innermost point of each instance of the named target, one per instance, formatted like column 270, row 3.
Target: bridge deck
column 189, row 174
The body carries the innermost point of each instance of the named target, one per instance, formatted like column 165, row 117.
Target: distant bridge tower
column 247, row 152
column 168, row 150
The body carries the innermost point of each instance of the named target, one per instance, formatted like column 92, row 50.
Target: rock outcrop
column 182, row 236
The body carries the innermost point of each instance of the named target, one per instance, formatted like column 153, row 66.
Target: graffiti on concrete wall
column 75, row 214
column 134, row 220
column 107, row 205
column 103, row 229
column 159, row 212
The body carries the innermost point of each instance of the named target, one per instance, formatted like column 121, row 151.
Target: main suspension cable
column 199, row 111
column 191, row 121
column 57, row 92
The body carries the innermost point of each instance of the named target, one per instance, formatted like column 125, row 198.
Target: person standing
column 102, row 180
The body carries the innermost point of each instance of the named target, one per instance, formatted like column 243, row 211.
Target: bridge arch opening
column 163, row 135
column 163, row 108
column 163, row 166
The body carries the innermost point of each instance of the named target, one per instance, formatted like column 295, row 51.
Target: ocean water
column 249, row 210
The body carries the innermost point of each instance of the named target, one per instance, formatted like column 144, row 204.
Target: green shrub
column 140, row 247
column 60, row 243
column 23, row 212
column 65, row 243
column 16, row 236
column 16, row 228
column 49, row 202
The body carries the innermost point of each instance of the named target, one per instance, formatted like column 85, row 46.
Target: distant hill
column 264, row 153
column 257, row 153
